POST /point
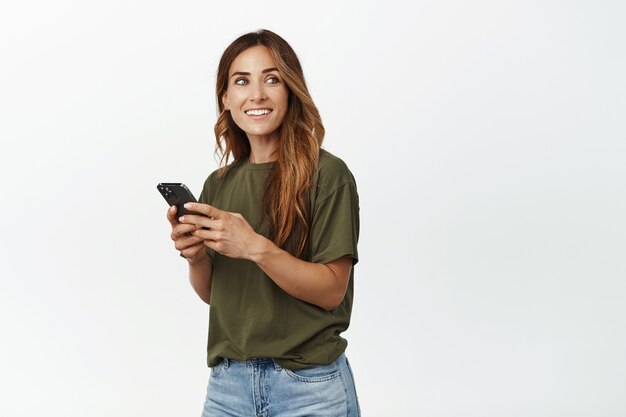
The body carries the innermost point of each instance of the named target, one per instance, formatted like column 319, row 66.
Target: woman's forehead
column 253, row 60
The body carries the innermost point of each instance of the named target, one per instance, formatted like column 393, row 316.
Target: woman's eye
column 241, row 81
column 273, row 80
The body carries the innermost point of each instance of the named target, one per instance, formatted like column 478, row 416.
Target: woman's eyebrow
column 247, row 73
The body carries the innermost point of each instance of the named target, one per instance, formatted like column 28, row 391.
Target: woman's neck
column 262, row 149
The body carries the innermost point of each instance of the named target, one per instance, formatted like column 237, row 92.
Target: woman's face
column 257, row 96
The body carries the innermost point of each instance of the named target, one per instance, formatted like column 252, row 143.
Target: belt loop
column 277, row 366
column 226, row 363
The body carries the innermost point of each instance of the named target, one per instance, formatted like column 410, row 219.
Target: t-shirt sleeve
column 335, row 226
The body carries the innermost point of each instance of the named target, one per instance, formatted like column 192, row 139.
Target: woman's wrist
column 260, row 248
column 199, row 258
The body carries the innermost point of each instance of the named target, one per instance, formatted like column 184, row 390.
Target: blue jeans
column 260, row 387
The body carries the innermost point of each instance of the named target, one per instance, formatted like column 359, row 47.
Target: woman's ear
column 225, row 101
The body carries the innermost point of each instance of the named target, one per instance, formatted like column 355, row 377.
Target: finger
column 187, row 242
column 201, row 221
column 180, row 230
column 216, row 246
column 171, row 215
column 205, row 209
column 193, row 250
column 212, row 235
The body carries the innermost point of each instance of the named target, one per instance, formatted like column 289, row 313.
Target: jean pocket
column 215, row 370
column 316, row 373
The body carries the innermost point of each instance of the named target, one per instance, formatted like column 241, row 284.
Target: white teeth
column 257, row 112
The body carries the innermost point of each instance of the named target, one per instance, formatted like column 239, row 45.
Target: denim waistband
column 259, row 362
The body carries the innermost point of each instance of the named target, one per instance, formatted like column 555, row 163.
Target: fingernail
column 180, row 219
column 187, row 205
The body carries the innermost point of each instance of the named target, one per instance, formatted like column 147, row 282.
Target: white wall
column 488, row 143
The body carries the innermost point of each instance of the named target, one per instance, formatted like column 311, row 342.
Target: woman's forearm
column 231, row 235
column 200, row 272
column 321, row 284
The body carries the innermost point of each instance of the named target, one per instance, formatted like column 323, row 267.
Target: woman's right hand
column 191, row 247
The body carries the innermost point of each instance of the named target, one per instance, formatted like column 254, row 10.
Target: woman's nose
column 257, row 93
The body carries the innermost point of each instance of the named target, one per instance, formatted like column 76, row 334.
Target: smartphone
column 177, row 194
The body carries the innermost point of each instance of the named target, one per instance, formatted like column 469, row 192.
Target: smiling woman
column 274, row 247
column 256, row 97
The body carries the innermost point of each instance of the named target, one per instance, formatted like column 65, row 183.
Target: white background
column 488, row 143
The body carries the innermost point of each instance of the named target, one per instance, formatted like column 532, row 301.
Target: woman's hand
column 227, row 233
column 190, row 246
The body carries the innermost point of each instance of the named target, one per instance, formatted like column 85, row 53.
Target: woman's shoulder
column 332, row 169
column 332, row 176
column 213, row 177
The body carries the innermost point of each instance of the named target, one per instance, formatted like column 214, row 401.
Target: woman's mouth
column 258, row 113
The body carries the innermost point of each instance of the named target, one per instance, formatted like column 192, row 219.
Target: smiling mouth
column 258, row 112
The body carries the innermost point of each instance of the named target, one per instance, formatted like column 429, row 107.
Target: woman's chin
column 262, row 134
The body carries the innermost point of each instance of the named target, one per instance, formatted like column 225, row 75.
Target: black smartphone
column 177, row 194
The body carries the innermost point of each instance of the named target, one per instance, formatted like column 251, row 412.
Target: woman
column 273, row 249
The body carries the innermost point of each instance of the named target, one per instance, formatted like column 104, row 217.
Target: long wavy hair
column 285, row 202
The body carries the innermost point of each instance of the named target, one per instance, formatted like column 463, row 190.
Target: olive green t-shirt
column 250, row 316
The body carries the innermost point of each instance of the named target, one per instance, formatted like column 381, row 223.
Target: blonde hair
column 285, row 203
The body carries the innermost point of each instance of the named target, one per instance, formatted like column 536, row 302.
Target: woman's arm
column 230, row 234
column 200, row 272
column 193, row 249
column 324, row 285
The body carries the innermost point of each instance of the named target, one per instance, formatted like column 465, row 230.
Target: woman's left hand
column 227, row 233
